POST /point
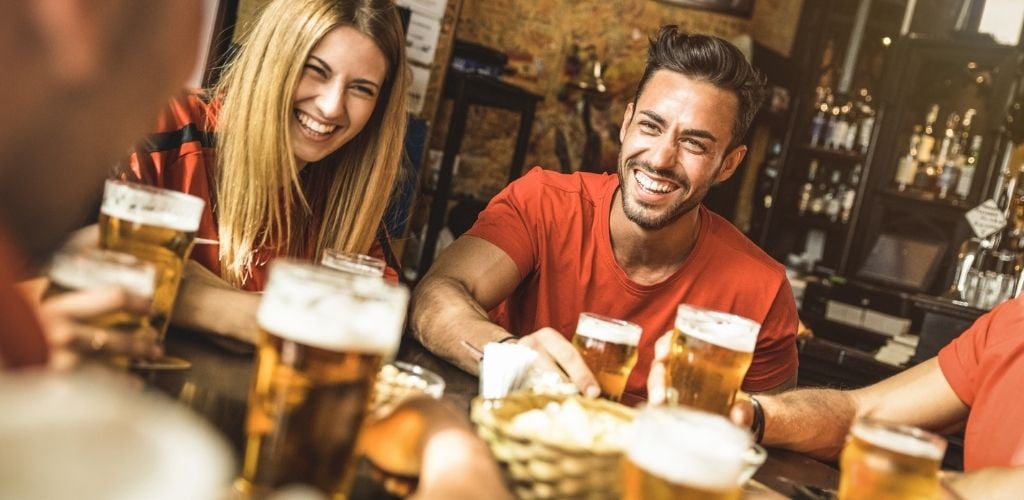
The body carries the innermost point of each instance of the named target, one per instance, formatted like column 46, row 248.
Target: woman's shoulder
column 191, row 108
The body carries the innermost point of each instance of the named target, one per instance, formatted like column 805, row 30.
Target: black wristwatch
column 757, row 425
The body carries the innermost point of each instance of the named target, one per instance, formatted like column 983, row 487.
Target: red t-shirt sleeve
column 959, row 360
column 508, row 223
column 775, row 356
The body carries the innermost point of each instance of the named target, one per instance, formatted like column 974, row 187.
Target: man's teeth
column 315, row 126
column 652, row 185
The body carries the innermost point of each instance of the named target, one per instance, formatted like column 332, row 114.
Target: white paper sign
column 986, row 219
column 418, row 88
column 432, row 8
column 421, row 39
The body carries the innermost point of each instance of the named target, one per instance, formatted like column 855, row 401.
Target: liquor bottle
column 850, row 195
column 853, row 119
column 807, row 191
column 950, row 175
column 924, row 148
column 818, row 122
column 839, row 127
column 817, row 204
column 867, row 122
column 833, row 198
column 907, row 166
column 963, row 186
column 945, row 171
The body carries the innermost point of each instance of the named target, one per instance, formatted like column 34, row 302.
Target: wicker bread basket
column 543, row 467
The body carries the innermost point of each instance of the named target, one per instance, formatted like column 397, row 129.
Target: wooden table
column 217, row 387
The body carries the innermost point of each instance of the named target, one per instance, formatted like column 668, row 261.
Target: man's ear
column 731, row 163
column 72, row 35
column 627, row 117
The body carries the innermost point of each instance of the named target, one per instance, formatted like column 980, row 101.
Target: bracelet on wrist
column 757, row 425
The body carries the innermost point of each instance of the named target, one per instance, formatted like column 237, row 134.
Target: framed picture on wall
column 742, row 8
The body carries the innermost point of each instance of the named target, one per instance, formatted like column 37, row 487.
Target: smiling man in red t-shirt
column 632, row 246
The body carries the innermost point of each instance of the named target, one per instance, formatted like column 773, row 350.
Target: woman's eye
column 316, row 69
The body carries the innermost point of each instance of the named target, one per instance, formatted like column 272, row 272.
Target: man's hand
column 63, row 316
column 560, row 355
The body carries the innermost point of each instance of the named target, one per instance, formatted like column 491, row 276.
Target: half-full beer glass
column 684, row 453
column 158, row 226
column 355, row 263
column 710, row 354
column 323, row 336
column 608, row 346
column 86, row 269
column 883, row 461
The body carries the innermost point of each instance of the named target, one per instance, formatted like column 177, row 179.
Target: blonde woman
column 296, row 151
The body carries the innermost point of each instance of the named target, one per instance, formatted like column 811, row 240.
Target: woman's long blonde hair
column 260, row 200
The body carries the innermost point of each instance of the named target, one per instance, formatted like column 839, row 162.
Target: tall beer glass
column 323, row 337
column 888, row 461
column 86, row 269
column 684, row 453
column 355, row 263
column 155, row 225
column 608, row 346
column 710, row 354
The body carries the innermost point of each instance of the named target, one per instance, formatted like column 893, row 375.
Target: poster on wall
column 741, row 8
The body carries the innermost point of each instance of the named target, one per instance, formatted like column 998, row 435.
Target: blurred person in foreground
column 296, row 150
column 974, row 381
column 90, row 76
column 631, row 246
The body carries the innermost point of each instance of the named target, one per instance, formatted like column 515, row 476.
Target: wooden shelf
column 926, row 198
column 836, row 154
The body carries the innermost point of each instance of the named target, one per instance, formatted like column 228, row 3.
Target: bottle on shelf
column 970, row 162
column 849, row 195
column 906, row 169
column 946, row 170
column 818, row 200
column 820, row 117
column 833, row 197
column 849, row 139
column 927, row 172
column 867, row 122
column 807, row 191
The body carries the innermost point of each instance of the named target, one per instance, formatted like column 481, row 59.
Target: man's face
column 80, row 125
column 675, row 141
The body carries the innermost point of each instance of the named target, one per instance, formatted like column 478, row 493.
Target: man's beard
column 643, row 216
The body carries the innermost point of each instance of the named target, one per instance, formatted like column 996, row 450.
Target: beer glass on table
column 90, row 268
column 323, row 337
column 608, row 346
column 710, row 354
column 355, row 263
column 884, row 461
column 677, row 452
column 158, row 226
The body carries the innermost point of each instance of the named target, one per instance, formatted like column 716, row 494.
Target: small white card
column 986, row 219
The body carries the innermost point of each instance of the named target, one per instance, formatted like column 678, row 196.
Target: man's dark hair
column 709, row 59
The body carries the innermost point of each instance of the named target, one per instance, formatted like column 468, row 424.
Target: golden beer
column 87, row 269
column 684, row 453
column 355, row 263
column 608, row 346
column 155, row 225
column 324, row 336
column 710, row 354
column 888, row 461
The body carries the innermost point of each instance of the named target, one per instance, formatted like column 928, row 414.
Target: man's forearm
column 812, row 421
column 445, row 314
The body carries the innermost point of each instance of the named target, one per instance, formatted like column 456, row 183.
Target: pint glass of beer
column 323, row 337
column 355, row 263
column 710, row 354
column 608, row 346
column 158, row 226
column 684, row 453
column 888, row 461
column 85, row 269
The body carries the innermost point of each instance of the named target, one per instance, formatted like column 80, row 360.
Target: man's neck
column 650, row 256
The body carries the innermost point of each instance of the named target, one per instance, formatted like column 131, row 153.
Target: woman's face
column 336, row 94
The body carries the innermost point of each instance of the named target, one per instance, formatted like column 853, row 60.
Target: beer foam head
column 94, row 268
column 324, row 308
column 718, row 328
column 901, row 439
column 689, row 447
column 152, row 206
column 608, row 329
